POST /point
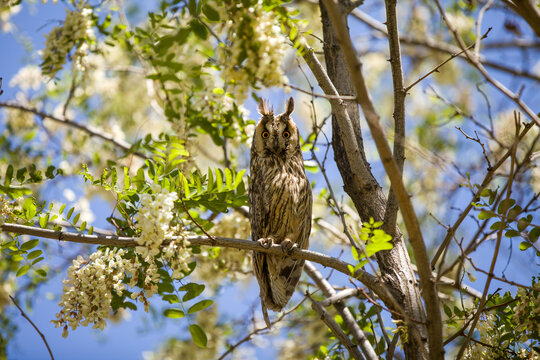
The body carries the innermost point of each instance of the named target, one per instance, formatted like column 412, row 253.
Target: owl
column 280, row 203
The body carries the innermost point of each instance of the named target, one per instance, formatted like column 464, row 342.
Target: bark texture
column 369, row 199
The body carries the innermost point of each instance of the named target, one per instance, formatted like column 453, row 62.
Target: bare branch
column 336, row 330
column 516, row 97
column 348, row 318
column 34, row 325
column 84, row 128
column 439, row 46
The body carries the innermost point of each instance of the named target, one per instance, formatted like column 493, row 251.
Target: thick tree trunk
column 370, row 201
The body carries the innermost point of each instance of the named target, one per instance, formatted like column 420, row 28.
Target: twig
column 436, row 68
column 259, row 330
column 34, row 325
column 339, row 296
column 339, row 97
column 65, row 121
column 477, row 139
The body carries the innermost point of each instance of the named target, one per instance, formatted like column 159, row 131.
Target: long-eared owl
column 280, row 203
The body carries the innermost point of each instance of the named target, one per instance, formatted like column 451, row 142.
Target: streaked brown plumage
column 280, row 202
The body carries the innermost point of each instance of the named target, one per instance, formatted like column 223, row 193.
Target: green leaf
column 192, row 6
column 198, row 335
column 483, row 215
column 29, row 208
column 23, row 270
column 534, row 234
column 201, row 305
column 42, row 272
column 524, row 245
column 512, row 233
column 355, row 253
column 70, row 212
column 76, row 218
column 199, row 29
column 127, row 179
column 193, row 290
column 8, row 176
column 351, row 269
column 171, row 298
column 174, row 313
column 522, row 224
column 447, row 310
column 373, row 248
column 34, row 254
column 239, row 177
column 29, row 244
column 228, row 178
column 83, row 226
column 37, row 260
column 505, row 205
column 43, row 220
column 210, row 13
column 219, row 179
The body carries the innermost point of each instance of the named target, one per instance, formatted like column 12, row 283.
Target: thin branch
column 342, row 309
column 112, row 240
column 433, row 44
column 482, row 302
column 329, row 97
column 485, row 182
column 341, row 295
column 34, row 325
column 259, row 330
column 336, row 329
column 478, row 65
column 436, row 68
column 392, row 205
column 427, row 283
column 84, row 128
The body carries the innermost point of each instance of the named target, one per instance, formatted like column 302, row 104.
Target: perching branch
column 367, row 279
column 427, row 282
column 90, row 130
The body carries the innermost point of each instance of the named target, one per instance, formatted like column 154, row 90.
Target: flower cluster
column 87, row 296
column 154, row 218
column 256, row 51
column 28, row 77
column 75, row 32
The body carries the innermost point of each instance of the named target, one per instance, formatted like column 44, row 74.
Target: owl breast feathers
column 280, row 202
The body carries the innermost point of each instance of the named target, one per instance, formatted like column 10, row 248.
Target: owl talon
column 287, row 246
column 265, row 242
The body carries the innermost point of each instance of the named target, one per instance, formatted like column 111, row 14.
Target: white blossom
column 28, row 77
column 264, row 51
column 74, row 32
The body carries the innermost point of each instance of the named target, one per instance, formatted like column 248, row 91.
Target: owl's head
column 276, row 135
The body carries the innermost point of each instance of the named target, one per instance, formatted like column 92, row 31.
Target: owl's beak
column 275, row 145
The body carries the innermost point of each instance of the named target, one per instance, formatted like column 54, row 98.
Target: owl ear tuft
column 290, row 106
column 264, row 108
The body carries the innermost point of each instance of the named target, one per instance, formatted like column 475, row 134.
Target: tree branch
column 440, row 46
column 34, row 325
column 342, row 309
column 392, row 207
column 516, row 97
column 367, row 279
column 84, row 128
column 427, row 282
column 336, row 329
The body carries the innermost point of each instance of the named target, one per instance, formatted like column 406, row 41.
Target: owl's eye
column 265, row 134
column 286, row 134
